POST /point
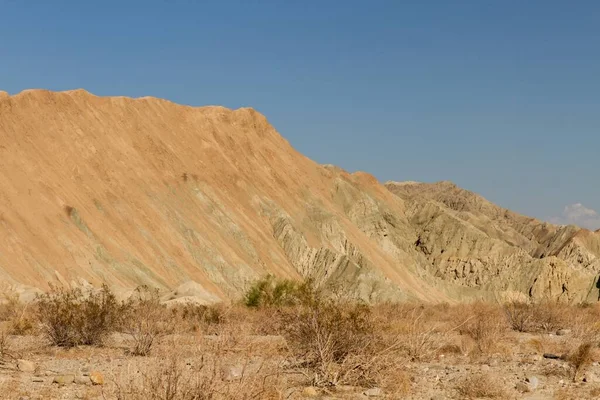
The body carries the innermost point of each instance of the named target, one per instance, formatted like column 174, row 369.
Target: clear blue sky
column 501, row 97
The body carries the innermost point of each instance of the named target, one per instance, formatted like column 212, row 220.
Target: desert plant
column 17, row 316
column 148, row 321
column 480, row 386
column 485, row 326
column 206, row 318
column 580, row 359
column 548, row 316
column 171, row 380
column 270, row 291
column 325, row 336
column 6, row 348
column 520, row 315
column 70, row 317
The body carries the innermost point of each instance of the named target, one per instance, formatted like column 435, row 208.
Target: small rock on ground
column 232, row 372
column 533, row 382
column 522, row 387
column 25, row 366
column 64, row 379
column 96, row 378
column 310, row 392
column 82, row 380
column 373, row 392
column 551, row 356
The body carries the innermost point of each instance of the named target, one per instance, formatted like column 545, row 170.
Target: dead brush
column 486, row 326
column 201, row 378
column 336, row 343
column 580, row 359
column 201, row 318
column 481, row 386
column 423, row 340
column 17, row 317
column 147, row 320
column 325, row 336
column 6, row 348
column 520, row 316
column 70, row 317
column 549, row 316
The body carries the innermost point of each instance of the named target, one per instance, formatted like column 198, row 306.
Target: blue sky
column 501, row 97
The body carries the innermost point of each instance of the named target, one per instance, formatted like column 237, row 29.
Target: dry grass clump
column 485, row 324
column 146, row 320
column 481, row 386
column 176, row 379
column 520, row 315
column 207, row 319
column 549, row 316
column 16, row 317
column 6, row 348
column 580, row 359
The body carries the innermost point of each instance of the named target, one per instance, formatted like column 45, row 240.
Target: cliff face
column 201, row 201
column 475, row 243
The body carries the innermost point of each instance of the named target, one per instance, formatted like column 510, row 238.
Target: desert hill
column 200, row 201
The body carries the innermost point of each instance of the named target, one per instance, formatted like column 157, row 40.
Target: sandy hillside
column 201, row 201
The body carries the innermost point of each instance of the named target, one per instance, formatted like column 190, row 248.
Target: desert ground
column 286, row 340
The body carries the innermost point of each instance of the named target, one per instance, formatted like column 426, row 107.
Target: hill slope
column 201, row 201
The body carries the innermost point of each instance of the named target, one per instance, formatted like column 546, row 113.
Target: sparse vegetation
column 486, row 326
column 287, row 336
column 16, row 317
column 271, row 292
column 481, row 386
column 70, row 317
column 147, row 320
column 580, row 359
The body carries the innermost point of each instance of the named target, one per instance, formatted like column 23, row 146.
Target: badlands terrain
column 202, row 201
column 374, row 290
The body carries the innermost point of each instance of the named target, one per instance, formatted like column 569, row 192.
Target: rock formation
column 200, row 201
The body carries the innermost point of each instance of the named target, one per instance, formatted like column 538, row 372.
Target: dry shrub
column 520, row 316
column 546, row 316
column 6, row 348
column 337, row 343
column 16, row 316
column 147, row 321
column 325, row 335
column 584, row 322
column 174, row 379
column 549, row 316
column 422, row 338
column 481, row 386
column 421, row 341
column 70, row 317
column 580, row 359
column 485, row 325
column 451, row 349
column 202, row 318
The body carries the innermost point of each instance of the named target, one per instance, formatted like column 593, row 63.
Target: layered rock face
column 202, row 201
column 475, row 243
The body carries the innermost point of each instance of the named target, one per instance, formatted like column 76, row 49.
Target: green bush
column 269, row 291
